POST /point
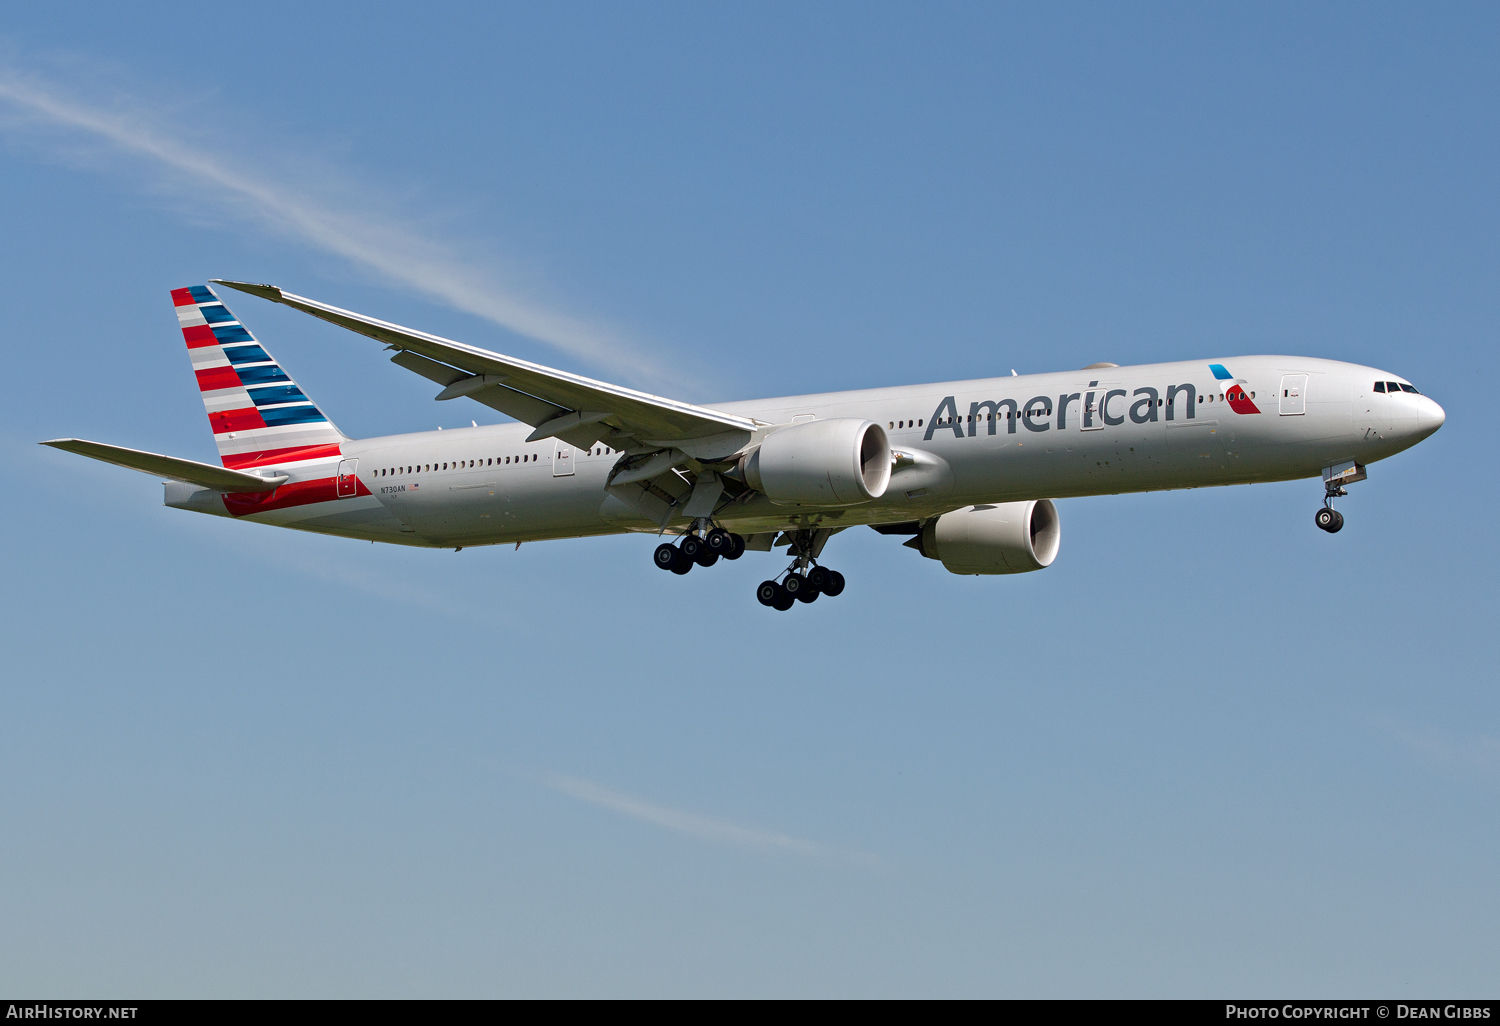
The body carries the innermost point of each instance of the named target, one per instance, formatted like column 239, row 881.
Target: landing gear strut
column 804, row 580
column 1334, row 479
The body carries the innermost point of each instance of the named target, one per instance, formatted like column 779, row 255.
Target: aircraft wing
column 205, row 475
column 574, row 408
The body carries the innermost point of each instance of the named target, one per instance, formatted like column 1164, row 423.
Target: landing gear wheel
column 783, row 601
column 794, row 584
column 1330, row 520
column 719, row 541
column 738, row 547
column 808, row 594
column 666, row 556
column 692, row 548
column 768, row 593
column 818, row 577
column 835, row 583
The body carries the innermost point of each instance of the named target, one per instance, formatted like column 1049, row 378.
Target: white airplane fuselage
column 1105, row 430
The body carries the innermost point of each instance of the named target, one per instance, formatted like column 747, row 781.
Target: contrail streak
column 682, row 822
column 400, row 255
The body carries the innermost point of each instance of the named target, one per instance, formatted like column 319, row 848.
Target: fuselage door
column 562, row 459
column 348, row 483
column 1093, row 416
column 1293, row 395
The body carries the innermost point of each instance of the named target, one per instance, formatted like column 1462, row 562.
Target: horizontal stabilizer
column 205, row 475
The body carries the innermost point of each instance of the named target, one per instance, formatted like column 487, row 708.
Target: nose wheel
column 1329, row 519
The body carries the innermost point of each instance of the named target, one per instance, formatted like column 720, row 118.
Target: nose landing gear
column 1334, row 479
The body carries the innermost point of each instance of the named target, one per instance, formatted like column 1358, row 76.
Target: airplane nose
column 1430, row 417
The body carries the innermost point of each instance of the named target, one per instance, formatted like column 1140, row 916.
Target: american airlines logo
column 1094, row 409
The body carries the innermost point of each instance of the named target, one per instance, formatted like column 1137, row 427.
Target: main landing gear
column 799, row 587
column 804, row 580
column 699, row 550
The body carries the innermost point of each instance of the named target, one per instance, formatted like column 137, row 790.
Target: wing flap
column 205, row 475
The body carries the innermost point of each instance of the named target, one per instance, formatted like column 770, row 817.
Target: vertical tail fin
column 257, row 412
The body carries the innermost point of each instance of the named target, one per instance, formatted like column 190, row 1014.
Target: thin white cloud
column 1472, row 752
column 691, row 824
column 399, row 254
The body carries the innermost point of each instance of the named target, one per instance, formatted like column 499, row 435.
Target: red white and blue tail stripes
column 258, row 414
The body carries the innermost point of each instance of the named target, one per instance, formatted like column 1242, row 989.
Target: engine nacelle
column 1009, row 538
column 840, row 462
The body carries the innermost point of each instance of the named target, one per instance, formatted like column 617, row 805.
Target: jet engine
column 840, row 462
column 1009, row 538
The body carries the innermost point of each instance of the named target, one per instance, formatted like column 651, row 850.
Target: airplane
column 967, row 471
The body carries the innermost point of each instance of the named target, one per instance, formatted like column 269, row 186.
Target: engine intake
column 1009, row 538
column 840, row 462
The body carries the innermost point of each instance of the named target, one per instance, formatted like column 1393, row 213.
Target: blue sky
column 1209, row 751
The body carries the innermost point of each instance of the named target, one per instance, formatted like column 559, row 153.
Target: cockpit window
column 1410, row 388
column 1380, row 386
column 1393, row 386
